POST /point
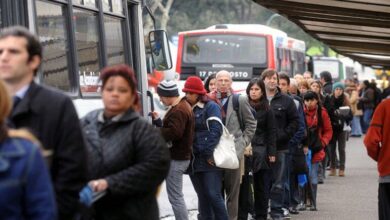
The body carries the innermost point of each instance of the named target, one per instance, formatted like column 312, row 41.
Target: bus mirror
column 159, row 46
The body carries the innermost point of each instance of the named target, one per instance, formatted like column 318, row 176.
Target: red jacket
column 325, row 132
column 377, row 140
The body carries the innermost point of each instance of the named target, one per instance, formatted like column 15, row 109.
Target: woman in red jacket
column 319, row 134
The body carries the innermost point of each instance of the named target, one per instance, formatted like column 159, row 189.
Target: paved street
column 351, row 197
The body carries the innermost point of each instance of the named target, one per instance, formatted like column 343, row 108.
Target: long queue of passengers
column 111, row 164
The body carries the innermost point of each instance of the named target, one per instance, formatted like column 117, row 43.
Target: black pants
column 384, row 201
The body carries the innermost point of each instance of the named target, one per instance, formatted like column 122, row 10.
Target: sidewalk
column 352, row 197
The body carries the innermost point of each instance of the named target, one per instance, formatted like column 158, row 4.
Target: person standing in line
column 210, row 83
column 128, row 158
column 377, row 142
column 368, row 99
column 326, row 81
column 291, row 198
column 287, row 121
column 317, row 120
column 307, row 75
column 263, row 147
column 339, row 119
column 242, row 126
column 47, row 113
column 205, row 176
column 178, row 131
column 26, row 190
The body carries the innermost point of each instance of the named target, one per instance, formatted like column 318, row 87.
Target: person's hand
column 154, row 115
column 211, row 161
column 305, row 150
column 272, row 159
column 98, row 185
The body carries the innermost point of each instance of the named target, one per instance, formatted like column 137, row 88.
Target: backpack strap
column 236, row 108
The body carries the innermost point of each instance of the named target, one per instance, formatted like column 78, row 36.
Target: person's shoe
column 341, row 173
column 313, row 208
column 293, row 210
column 320, row 180
column 286, row 213
column 301, row 207
column 332, row 172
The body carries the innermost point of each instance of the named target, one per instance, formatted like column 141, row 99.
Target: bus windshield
column 225, row 48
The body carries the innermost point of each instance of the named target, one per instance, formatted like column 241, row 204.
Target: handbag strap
column 215, row 119
column 224, row 128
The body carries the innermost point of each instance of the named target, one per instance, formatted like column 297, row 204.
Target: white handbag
column 225, row 152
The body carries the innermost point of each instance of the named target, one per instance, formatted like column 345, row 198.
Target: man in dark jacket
column 178, row 129
column 326, row 81
column 287, row 119
column 49, row 114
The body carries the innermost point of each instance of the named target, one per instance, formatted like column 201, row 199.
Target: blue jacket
column 25, row 187
column 205, row 140
column 296, row 140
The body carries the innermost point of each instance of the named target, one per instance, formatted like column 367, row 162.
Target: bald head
column 224, row 81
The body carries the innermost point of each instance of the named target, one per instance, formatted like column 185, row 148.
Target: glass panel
column 225, row 49
column 52, row 34
column 106, row 5
column 90, row 3
column 87, row 46
column 114, row 40
column 117, row 6
column 80, row 2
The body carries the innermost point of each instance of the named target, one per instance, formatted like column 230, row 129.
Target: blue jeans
column 367, row 114
column 174, row 184
column 208, row 187
column 280, row 178
column 356, row 128
column 314, row 173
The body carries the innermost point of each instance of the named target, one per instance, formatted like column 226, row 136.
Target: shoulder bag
column 225, row 152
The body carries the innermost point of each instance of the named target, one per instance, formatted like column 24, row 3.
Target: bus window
column 89, row 3
column 87, row 46
column 224, row 49
column 114, row 40
column 52, row 34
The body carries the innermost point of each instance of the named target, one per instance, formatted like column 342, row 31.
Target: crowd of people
column 288, row 132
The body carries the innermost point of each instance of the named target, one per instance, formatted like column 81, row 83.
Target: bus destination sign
column 236, row 73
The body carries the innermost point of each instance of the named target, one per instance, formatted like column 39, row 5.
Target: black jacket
column 264, row 140
column 286, row 118
column 51, row 116
column 328, row 88
column 132, row 156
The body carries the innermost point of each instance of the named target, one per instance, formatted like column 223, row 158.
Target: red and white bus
column 244, row 50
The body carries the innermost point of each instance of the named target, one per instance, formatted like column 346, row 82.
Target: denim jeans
column 339, row 140
column 314, row 173
column 208, row 188
column 279, row 170
column 174, row 184
column 367, row 114
column 356, row 128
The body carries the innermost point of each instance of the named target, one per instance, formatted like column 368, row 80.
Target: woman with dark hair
column 319, row 135
column 205, row 176
column 209, row 83
column 127, row 157
column 263, row 146
column 339, row 118
column 316, row 87
column 26, row 191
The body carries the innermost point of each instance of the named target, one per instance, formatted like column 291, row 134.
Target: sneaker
column 301, row 207
column 286, row 213
column 332, row 172
column 320, row 180
column 341, row 173
column 293, row 210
